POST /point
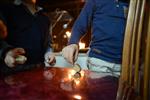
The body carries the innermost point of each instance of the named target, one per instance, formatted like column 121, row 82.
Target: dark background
column 72, row 7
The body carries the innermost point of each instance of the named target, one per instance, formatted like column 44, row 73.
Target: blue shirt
column 107, row 20
column 27, row 30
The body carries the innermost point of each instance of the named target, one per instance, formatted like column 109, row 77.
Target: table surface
column 57, row 84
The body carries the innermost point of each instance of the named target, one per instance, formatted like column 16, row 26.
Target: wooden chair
column 134, row 83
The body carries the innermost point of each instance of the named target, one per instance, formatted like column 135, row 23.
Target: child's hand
column 50, row 59
column 70, row 53
column 14, row 57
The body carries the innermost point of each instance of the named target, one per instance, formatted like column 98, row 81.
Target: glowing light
column 68, row 33
column 70, row 74
column 77, row 81
column 65, row 36
column 78, row 97
column 65, row 26
column 82, row 74
column 54, row 36
column 70, row 78
column 81, row 45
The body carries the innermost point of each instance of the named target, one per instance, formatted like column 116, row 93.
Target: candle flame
column 77, row 81
column 68, row 33
column 81, row 45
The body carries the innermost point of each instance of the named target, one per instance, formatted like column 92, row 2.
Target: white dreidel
column 20, row 58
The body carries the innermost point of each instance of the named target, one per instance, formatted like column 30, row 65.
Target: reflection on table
column 57, row 84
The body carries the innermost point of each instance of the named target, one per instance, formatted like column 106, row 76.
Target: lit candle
column 68, row 33
column 72, row 77
column 81, row 45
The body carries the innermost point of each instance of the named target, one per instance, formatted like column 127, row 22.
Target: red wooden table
column 57, row 84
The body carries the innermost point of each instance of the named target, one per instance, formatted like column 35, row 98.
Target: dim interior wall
column 6, row 1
